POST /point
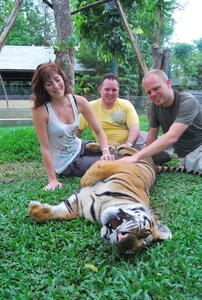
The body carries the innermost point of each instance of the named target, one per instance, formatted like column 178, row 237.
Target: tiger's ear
column 163, row 232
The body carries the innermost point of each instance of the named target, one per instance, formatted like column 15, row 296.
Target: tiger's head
column 132, row 227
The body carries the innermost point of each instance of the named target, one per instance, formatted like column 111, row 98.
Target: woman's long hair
column 44, row 72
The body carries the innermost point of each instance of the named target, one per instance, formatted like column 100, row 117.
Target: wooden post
column 10, row 23
column 4, row 91
column 131, row 36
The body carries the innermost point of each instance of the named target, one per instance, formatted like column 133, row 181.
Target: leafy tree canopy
column 31, row 26
column 150, row 19
column 186, row 64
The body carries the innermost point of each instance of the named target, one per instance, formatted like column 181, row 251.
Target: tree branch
column 48, row 3
column 81, row 8
column 90, row 6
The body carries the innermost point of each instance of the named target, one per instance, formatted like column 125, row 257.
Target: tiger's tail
column 165, row 169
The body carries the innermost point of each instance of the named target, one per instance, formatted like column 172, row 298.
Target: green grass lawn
column 49, row 261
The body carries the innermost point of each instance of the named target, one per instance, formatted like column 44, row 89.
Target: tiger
column 116, row 195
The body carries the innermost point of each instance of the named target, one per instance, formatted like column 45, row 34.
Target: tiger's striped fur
column 116, row 195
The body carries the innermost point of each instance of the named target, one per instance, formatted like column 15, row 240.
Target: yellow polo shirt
column 115, row 122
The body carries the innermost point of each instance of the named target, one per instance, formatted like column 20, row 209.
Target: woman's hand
column 107, row 156
column 52, row 185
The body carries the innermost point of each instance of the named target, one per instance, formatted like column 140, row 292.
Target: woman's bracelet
column 105, row 149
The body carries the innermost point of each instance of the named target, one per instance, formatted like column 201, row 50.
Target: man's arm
column 152, row 135
column 134, row 133
column 160, row 144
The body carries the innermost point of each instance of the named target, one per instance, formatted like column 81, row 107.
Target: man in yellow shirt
column 117, row 117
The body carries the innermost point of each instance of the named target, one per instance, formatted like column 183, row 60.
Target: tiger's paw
column 93, row 147
column 39, row 211
column 105, row 232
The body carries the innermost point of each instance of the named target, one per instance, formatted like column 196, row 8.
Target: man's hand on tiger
column 132, row 159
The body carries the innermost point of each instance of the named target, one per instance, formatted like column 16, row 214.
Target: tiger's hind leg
column 66, row 210
column 126, row 151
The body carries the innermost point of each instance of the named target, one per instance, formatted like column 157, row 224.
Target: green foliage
column 87, row 85
column 198, row 45
column 84, row 85
column 148, row 20
column 87, row 55
column 186, row 64
column 6, row 7
column 50, row 260
column 183, row 51
column 127, row 85
column 33, row 25
column 156, row 19
column 71, row 42
column 111, row 37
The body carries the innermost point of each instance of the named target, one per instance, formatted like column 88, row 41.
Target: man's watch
column 130, row 144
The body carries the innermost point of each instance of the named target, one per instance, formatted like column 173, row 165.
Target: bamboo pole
column 10, row 23
column 4, row 91
column 131, row 36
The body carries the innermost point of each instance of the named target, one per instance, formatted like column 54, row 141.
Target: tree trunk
column 10, row 23
column 140, row 90
column 160, row 58
column 65, row 56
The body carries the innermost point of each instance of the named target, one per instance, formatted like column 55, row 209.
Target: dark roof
column 27, row 58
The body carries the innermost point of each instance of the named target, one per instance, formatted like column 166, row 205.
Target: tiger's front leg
column 95, row 147
column 46, row 212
